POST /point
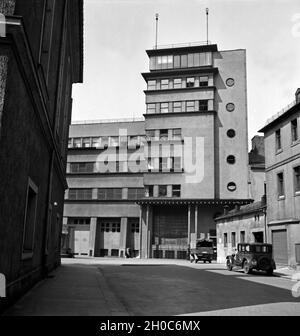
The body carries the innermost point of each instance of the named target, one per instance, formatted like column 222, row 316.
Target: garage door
column 81, row 244
column 279, row 239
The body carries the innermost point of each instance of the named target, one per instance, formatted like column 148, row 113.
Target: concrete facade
column 182, row 158
column 40, row 59
column 282, row 146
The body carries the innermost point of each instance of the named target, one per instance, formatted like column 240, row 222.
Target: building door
column 280, row 251
column 81, row 242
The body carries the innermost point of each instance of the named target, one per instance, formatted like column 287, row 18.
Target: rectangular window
column 86, row 142
column 196, row 59
column 149, row 191
column 96, row 142
column 177, row 83
column 294, row 125
column 164, row 107
column 190, row 106
column 82, row 167
column 150, row 135
column 163, row 164
column 297, row 179
column 242, row 237
column 110, row 194
column 30, row 217
column 134, row 225
column 176, row 164
column 79, row 221
column 114, row 141
column 177, row 107
column 177, row 61
column 152, row 85
column 163, row 135
column 190, row 60
column 136, row 193
column 176, row 134
column 203, row 105
column 190, row 82
column 162, row 191
column 183, row 61
column 104, row 141
column 80, row 194
column 164, row 62
column 225, row 240
column 151, row 108
column 278, row 139
column 280, row 179
column 233, row 239
column 70, row 143
column 164, row 84
column 203, row 81
column 77, row 142
column 176, row 190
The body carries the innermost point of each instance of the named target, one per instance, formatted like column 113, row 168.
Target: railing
column 281, row 112
column 182, row 45
column 106, row 121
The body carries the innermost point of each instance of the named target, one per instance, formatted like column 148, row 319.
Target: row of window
column 160, row 164
column 178, row 83
column 177, row 107
column 131, row 141
column 117, row 193
column 233, row 238
column 107, row 141
column 294, row 135
column 181, row 61
column 281, row 184
column 109, row 225
column 163, row 191
column 258, row 237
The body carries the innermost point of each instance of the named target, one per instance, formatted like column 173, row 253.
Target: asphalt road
column 155, row 288
column 176, row 290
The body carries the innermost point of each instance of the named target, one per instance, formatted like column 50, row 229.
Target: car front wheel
column 246, row 268
column 270, row 271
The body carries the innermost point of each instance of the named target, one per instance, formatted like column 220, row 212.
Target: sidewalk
column 70, row 291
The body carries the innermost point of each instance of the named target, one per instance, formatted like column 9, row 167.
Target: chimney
column 297, row 95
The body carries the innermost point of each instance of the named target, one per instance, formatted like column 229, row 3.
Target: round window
column 231, row 133
column 230, row 82
column 231, row 186
column 231, row 159
column 230, row 107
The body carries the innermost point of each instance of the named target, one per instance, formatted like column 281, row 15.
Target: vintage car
column 256, row 256
column 204, row 251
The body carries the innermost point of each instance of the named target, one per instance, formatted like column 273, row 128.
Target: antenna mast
column 207, row 13
column 156, row 33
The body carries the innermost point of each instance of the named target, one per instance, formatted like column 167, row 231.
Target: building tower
column 196, row 130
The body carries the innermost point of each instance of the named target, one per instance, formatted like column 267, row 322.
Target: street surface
column 133, row 287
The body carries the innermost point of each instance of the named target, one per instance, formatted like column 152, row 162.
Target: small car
column 254, row 256
column 204, row 251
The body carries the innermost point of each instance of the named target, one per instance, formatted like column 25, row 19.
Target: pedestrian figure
column 128, row 253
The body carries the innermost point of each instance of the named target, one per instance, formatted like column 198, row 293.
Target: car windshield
column 205, row 243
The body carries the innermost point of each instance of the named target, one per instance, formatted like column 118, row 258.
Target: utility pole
column 207, row 13
column 156, row 33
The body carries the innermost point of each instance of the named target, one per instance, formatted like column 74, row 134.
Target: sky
column 117, row 33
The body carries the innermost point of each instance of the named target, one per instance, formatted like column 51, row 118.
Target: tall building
column 170, row 175
column 41, row 57
column 282, row 144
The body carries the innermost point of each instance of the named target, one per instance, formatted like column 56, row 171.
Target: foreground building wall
column 37, row 73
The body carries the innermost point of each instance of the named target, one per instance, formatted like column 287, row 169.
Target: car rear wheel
column 246, row 268
column 228, row 265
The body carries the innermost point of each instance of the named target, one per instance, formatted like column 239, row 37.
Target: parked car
column 204, row 251
column 256, row 256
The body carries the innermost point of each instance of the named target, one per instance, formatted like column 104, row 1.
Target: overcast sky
column 117, row 33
